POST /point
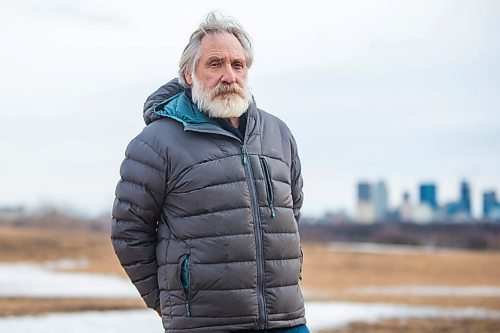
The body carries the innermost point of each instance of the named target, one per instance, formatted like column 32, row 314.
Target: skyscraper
column 379, row 199
column 364, row 192
column 465, row 202
column 365, row 208
column 406, row 209
column 489, row 203
column 428, row 195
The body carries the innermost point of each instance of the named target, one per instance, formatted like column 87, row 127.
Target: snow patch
column 327, row 315
column 30, row 280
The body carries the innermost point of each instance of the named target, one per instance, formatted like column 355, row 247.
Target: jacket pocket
column 269, row 186
column 186, row 282
column 301, row 263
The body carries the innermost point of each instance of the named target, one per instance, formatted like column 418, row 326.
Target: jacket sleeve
column 296, row 177
column 137, row 207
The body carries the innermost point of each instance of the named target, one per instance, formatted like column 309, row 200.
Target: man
column 206, row 211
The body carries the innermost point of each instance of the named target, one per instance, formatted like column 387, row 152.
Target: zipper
column 269, row 186
column 256, row 218
column 185, row 281
column 258, row 238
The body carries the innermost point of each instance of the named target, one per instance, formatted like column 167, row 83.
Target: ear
column 188, row 77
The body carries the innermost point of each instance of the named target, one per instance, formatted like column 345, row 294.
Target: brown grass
column 337, row 273
column 45, row 245
column 14, row 306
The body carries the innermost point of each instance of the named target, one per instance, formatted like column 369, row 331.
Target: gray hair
column 213, row 24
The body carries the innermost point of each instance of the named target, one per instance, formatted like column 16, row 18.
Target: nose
column 228, row 75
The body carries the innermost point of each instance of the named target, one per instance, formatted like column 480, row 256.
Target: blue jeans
column 296, row 329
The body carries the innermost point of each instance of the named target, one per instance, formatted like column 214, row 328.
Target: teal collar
column 179, row 107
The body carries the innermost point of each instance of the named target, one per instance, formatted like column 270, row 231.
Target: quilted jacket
column 205, row 224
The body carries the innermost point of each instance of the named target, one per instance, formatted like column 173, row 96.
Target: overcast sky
column 404, row 91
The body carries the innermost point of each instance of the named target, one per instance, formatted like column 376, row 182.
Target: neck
column 235, row 121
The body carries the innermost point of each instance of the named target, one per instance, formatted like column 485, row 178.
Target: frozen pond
column 96, row 322
column 30, row 280
column 382, row 248
column 319, row 316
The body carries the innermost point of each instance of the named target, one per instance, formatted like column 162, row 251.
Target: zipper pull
column 244, row 157
column 273, row 213
column 188, row 310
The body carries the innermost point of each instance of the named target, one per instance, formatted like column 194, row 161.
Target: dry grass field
column 45, row 245
column 340, row 273
column 337, row 274
column 327, row 274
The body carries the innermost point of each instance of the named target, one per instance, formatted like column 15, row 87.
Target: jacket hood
column 165, row 92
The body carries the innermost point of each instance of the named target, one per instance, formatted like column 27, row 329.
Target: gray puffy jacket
column 205, row 225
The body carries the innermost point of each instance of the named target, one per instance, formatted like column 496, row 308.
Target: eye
column 238, row 65
column 215, row 63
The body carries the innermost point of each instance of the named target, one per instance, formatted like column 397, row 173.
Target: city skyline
column 424, row 205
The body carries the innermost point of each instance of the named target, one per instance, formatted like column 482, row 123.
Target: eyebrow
column 214, row 58
column 223, row 60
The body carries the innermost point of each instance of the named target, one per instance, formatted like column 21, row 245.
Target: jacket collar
column 180, row 108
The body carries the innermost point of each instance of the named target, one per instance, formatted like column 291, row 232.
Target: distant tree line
column 56, row 218
column 477, row 236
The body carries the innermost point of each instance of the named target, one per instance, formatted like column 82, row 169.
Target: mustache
column 224, row 88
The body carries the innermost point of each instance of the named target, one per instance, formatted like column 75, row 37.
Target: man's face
column 219, row 83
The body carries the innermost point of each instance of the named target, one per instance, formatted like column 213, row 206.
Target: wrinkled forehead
column 221, row 45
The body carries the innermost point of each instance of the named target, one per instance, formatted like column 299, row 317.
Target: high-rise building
column 406, row 209
column 489, row 203
column 379, row 199
column 364, row 192
column 428, row 195
column 465, row 201
column 365, row 209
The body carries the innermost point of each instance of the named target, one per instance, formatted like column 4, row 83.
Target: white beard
column 224, row 101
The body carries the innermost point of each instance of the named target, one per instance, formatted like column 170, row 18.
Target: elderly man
column 206, row 211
